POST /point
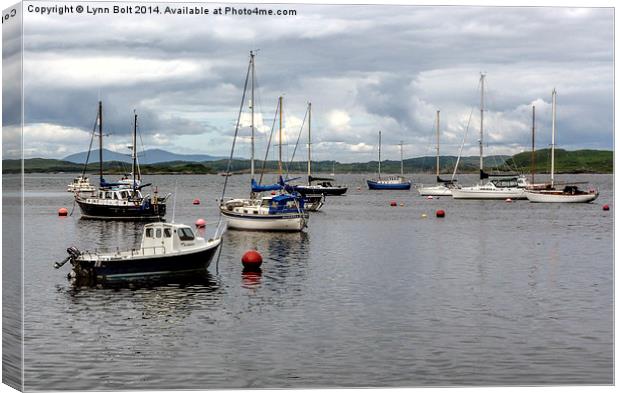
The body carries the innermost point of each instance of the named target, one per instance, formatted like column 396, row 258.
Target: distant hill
column 151, row 156
column 579, row 161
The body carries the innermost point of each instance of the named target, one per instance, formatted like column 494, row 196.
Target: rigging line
column 458, row 158
column 273, row 126
column 232, row 149
column 297, row 143
column 90, row 146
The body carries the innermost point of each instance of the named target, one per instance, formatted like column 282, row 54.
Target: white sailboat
column 503, row 187
column 567, row 193
column 443, row 187
column 283, row 212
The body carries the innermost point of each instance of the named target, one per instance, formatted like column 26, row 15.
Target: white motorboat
column 566, row 193
column 167, row 250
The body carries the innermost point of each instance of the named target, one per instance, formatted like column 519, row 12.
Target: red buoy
column 200, row 223
column 605, row 207
column 393, row 203
column 251, row 260
column 440, row 213
column 196, row 201
column 63, row 212
column 273, row 193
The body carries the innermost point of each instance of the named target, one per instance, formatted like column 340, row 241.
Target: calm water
column 369, row 295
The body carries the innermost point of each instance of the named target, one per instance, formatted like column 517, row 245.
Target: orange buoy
column 196, row 202
column 201, row 223
column 63, row 212
column 393, row 203
column 508, row 200
column 605, row 207
column 251, row 260
column 440, row 213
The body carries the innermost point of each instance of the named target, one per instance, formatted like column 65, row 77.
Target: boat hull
column 266, row 222
column 303, row 190
column 147, row 268
column 435, row 191
column 473, row 193
column 119, row 212
column 373, row 185
column 313, row 202
column 559, row 197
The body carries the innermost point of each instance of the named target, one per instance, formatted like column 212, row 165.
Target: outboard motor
column 73, row 254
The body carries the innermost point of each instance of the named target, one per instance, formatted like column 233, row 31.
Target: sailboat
column 567, row 193
column 121, row 200
column 443, row 187
column 324, row 186
column 281, row 212
column 498, row 186
column 392, row 182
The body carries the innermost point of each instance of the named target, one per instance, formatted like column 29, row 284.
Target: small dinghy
column 167, row 250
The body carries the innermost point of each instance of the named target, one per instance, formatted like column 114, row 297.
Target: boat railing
column 143, row 251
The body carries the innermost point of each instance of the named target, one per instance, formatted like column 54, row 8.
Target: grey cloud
column 420, row 59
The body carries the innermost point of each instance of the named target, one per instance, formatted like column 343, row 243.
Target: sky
column 365, row 68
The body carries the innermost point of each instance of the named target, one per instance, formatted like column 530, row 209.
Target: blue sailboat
column 283, row 212
column 391, row 182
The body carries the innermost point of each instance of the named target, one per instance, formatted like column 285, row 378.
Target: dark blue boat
column 167, row 250
column 392, row 183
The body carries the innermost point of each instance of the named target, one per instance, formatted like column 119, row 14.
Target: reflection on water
column 251, row 279
column 369, row 295
column 104, row 235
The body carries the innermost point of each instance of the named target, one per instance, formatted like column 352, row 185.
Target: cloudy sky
column 364, row 68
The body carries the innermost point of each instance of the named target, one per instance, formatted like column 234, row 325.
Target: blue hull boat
column 388, row 185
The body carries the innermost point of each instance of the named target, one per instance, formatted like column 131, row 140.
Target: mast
column 280, row 137
column 100, row 143
column 252, row 115
column 437, row 160
column 553, row 99
column 379, row 155
column 533, row 142
column 481, row 123
column 309, row 141
column 133, row 150
column 401, row 159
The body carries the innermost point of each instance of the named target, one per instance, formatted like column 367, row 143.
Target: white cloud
column 339, row 120
column 97, row 71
